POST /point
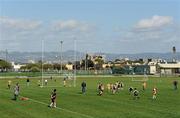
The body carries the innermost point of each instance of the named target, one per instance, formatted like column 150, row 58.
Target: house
column 169, row 68
column 16, row 67
column 152, row 67
column 69, row 66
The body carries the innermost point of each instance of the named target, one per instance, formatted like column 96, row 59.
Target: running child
column 130, row 89
column 121, row 85
column 136, row 93
column 39, row 83
column 16, row 91
column 114, row 88
column 64, row 81
column 144, row 85
column 46, row 82
column 53, row 99
column 27, row 82
column 154, row 92
column 9, row 84
column 108, row 87
column 101, row 89
column 175, row 83
column 83, row 85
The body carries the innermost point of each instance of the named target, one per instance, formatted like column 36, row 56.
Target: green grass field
column 72, row 104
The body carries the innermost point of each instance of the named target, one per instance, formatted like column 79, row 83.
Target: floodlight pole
column 42, row 61
column 74, row 62
column 174, row 53
column 61, row 42
column 6, row 57
column 85, row 63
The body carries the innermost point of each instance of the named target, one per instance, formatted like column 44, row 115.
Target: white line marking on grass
column 87, row 116
column 51, row 86
column 43, row 103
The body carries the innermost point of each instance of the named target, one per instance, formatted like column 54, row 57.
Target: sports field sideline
column 72, row 104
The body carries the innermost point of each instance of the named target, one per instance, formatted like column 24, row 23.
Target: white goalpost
column 75, row 55
column 139, row 79
column 69, row 77
column 42, row 62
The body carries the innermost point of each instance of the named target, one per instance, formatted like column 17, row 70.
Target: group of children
column 111, row 88
column 118, row 86
column 135, row 92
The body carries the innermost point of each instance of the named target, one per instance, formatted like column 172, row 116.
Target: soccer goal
column 136, row 79
column 69, row 80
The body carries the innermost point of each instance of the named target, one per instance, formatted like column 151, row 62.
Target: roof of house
column 169, row 65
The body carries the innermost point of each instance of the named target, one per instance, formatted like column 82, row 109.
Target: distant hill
column 23, row 57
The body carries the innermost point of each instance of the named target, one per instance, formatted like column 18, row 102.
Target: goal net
column 141, row 79
column 69, row 80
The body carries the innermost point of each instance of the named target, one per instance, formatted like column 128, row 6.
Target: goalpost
column 71, row 77
column 137, row 79
column 42, row 62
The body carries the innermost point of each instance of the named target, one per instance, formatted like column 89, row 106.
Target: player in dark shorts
column 136, row 93
column 83, row 85
column 175, row 83
column 28, row 82
column 53, row 99
column 114, row 89
column 130, row 89
column 16, row 91
column 121, row 85
column 9, row 84
column 101, row 89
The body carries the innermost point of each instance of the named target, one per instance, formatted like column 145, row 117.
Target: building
column 152, row 68
column 140, row 69
column 16, row 67
column 169, row 68
column 69, row 66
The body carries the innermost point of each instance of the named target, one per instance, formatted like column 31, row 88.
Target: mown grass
column 76, row 105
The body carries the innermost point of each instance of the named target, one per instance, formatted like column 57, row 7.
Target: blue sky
column 124, row 26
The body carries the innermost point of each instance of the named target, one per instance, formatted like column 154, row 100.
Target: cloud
column 155, row 22
column 25, row 33
column 19, row 24
column 161, row 29
column 72, row 25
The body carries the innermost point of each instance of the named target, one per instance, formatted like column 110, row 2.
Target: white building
column 69, row 66
column 169, row 68
column 152, row 68
column 16, row 67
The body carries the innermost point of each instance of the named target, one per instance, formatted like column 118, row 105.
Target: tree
column 99, row 62
column 23, row 68
column 34, row 69
column 4, row 65
column 47, row 67
column 89, row 64
column 78, row 66
column 57, row 66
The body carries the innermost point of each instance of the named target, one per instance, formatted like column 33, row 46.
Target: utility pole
column 174, row 54
column 61, row 42
column 74, row 62
column 6, row 58
column 42, row 61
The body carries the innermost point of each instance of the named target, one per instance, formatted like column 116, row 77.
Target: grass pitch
column 72, row 104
